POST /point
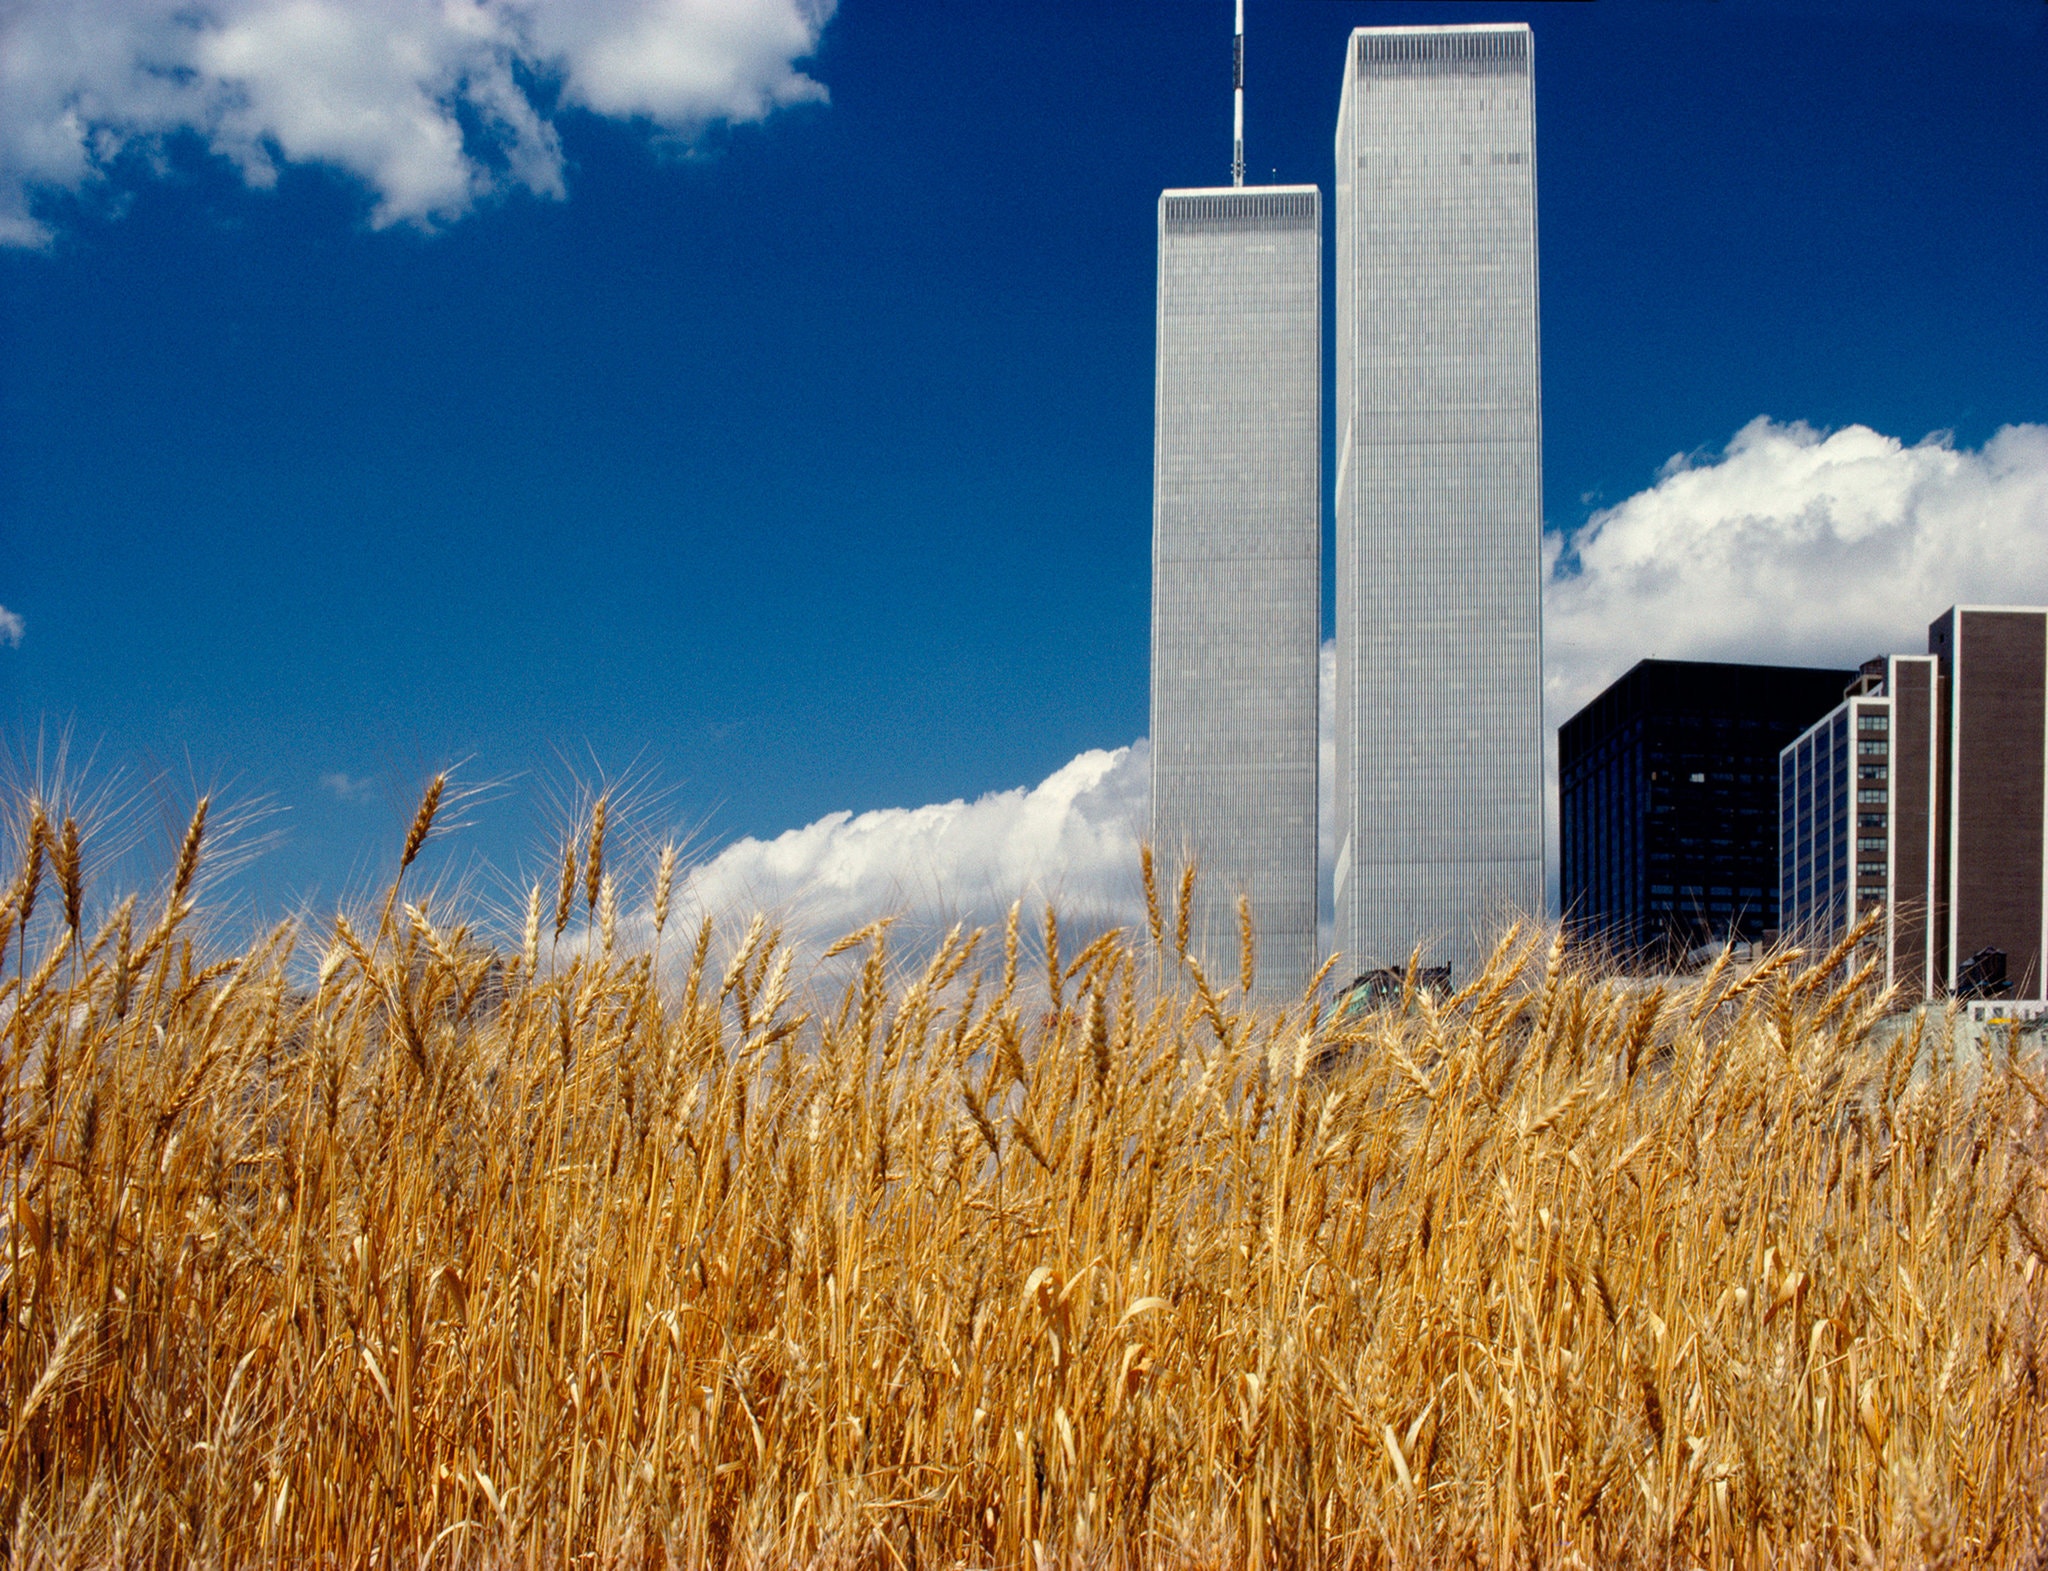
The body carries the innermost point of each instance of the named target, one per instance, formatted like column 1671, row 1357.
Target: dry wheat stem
column 424, row 1254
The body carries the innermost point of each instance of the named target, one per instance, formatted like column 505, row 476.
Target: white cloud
column 11, row 628
column 378, row 88
column 347, row 788
column 680, row 63
column 1792, row 546
column 1072, row 839
column 1796, row 547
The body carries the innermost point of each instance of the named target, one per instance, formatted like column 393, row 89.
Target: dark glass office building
column 1668, row 802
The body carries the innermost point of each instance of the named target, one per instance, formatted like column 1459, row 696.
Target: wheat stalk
column 67, row 863
column 1247, row 952
column 565, row 895
column 898, row 1266
column 664, row 884
column 422, row 821
column 593, row 856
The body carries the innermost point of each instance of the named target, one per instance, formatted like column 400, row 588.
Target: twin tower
column 1438, row 757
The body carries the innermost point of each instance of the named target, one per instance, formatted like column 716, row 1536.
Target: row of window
column 1708, row 889
column 1718, row 906
column 1701, row 777
column 1806, row 786
column 1822, row 834
column 1815, row 795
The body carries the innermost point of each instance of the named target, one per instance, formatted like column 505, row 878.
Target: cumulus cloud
column 11, row 628
column 433, row 104
column 1790, row 546
column 1072, row 839
column 1796, row 547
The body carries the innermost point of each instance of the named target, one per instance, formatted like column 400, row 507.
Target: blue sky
column 802, row 464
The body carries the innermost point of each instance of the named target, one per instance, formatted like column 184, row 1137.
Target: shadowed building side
column 1236, row 566
column 1993, row 797
column 1668, row 803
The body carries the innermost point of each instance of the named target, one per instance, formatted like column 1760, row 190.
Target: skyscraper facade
column 1237, row 566
column 1668, row 803
column 1856, row 791
column 1439, row 744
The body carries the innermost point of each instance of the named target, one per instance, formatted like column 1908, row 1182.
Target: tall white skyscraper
column 1237, row 566
column 1439, row 717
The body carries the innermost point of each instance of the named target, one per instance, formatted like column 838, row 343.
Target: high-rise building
column 1237, row 566
column 1926, row 792
column 1439, row 745
column 1668, row 803
column 1851, row 835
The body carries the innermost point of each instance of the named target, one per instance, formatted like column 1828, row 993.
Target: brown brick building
column 1926, row 790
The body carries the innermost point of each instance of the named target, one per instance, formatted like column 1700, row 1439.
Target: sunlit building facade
column 1439, row 730
column 1236, row 567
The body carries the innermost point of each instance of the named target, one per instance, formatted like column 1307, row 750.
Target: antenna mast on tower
column 1237, row 141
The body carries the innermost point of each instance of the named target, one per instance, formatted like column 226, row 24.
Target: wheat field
column 385, row 1242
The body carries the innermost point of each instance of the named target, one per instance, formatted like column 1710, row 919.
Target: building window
column 1871, row 843
column 1873, row 749
column 1870, row 772
column 1873, row 723
column 1870, row 796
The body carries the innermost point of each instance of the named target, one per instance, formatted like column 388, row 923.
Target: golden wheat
column 419, row 1251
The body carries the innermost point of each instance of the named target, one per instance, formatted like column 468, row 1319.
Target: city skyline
column 795, row 462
